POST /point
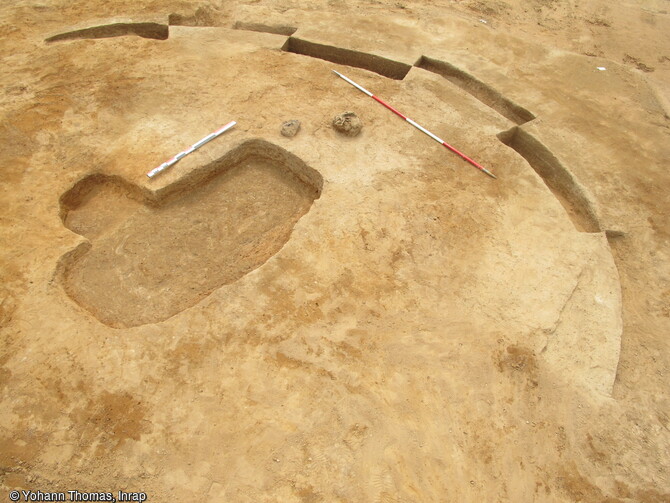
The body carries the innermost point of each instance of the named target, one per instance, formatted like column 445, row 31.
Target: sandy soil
column 332, row 318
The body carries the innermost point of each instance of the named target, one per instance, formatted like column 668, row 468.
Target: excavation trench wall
column 155, row 31
column 382, row 66
column 266, row 28
column 481, row 91
column 562, row 183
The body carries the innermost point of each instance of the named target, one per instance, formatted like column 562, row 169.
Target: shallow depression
column 148, row 262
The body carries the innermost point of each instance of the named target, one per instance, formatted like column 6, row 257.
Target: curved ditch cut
column 382, row 66
column 151, row 255
column 558, row 179
column 282, row 29
column 154, row 31
column 482, row 92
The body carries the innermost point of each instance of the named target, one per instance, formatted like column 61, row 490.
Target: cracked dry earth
column 326, row 318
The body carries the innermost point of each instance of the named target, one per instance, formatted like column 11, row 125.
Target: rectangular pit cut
column 149, row 257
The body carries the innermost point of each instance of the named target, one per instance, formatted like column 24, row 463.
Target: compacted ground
column 325, row 317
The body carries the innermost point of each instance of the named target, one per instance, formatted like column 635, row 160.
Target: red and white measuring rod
column 419, row 127
column 192, row 148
